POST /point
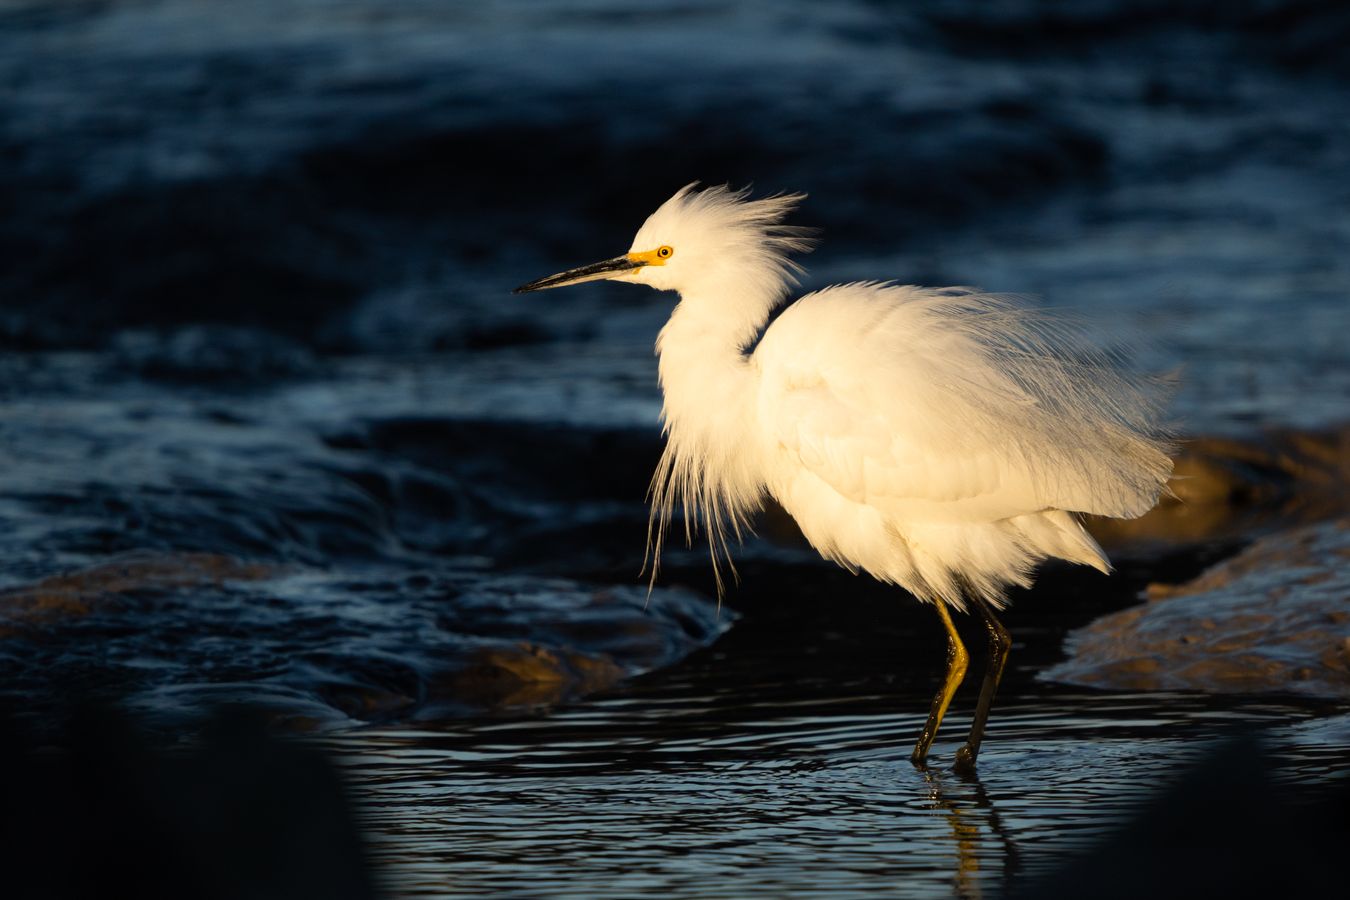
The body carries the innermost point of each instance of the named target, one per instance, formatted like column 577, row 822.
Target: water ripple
column 614, row 800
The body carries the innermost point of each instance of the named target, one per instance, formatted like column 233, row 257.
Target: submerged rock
column 1275, row 618
column 81, row 592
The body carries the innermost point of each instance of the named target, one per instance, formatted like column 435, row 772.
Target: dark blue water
column 274, row 431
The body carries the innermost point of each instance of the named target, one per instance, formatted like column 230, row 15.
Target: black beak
column 593, row 272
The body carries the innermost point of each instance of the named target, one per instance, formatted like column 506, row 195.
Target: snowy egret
column 942, row 440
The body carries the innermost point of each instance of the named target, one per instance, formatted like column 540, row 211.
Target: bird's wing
column 954, row 406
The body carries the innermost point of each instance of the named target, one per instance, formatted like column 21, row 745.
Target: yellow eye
column 665, row 252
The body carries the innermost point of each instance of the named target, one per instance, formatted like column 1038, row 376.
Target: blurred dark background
column 361, row 176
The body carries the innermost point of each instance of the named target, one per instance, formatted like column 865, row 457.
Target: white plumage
column 938, row 439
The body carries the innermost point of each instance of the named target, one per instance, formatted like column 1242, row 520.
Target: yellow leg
column 957, row 660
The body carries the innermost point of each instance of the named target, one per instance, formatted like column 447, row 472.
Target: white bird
column 943, row 440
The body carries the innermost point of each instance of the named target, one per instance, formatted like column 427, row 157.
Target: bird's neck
column 707, row 381
column 710, row 390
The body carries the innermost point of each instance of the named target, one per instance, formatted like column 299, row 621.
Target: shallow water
column 776, row 763
column 756, row 792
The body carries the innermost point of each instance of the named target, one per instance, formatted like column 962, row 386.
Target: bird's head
column 698, row 234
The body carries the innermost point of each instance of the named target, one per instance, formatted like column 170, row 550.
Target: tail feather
column 1059, row 534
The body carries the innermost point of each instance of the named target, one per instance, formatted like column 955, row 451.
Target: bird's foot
column 965, row 760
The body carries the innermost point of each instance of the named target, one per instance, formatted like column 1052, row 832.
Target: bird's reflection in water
column 974, row 821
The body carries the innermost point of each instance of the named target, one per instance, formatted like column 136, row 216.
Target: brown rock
column 527, row 675
column 78, row 593
column 1274, row 618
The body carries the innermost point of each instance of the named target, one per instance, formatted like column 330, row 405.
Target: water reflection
column 971, row 816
